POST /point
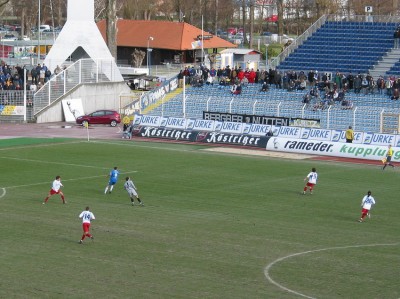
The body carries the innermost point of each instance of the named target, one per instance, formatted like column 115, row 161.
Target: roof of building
column 166, row 35
column 240, row 51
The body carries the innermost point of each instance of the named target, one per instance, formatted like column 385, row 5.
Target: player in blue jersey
column 113, row 180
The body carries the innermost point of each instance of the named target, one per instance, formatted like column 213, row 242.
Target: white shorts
column 132, row 193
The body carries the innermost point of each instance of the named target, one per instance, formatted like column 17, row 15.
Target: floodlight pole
column 38, row 51
column 149, row 54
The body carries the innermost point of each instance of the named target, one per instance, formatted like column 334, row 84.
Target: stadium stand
column 336, row 47
column 365, row 113
column 343, row 47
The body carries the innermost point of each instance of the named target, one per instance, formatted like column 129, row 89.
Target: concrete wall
column 94, row 96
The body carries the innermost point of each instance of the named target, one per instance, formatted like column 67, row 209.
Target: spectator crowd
column 321, row 89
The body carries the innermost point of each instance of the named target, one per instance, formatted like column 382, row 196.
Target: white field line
column 7, row 149
column 270, row 265
column 3, row 192
column 51, row 162
column 66, row 180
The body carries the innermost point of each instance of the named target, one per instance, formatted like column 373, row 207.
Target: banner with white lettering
column 316, row 134
column 229, row 127
column 261, row 119
column 201, row 136
column 340, row 136
column 174, row 122
column 159, row 93
column 147, row 120
column 294, row 132
column 376, row 138
column 257, row 130
column 200, row 125
column 328, row 148
column 234, row 127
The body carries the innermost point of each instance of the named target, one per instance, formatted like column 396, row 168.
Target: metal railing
column 82, row 71
column 362, row 118
column 297, row 42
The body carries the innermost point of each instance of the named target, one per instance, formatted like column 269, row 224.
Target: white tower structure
column 80, row 38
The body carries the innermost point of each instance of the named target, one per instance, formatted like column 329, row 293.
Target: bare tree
column 111, row 26
column 138, row 57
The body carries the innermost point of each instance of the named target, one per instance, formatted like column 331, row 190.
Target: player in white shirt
column 86, row 217
column 366, row 204
column 311, row 179
column 56, row 189
column 132, row 191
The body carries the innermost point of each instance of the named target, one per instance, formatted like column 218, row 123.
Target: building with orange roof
column 175, row 42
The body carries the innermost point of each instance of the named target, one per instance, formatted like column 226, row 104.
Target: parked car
column 266, row 33
column 9, row 37
column 104, row 117
column 231, row 31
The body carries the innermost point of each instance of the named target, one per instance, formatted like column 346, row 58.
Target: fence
column 14, row 106
column 362, row 118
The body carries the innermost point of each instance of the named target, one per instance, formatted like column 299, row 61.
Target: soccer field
column 214, row 225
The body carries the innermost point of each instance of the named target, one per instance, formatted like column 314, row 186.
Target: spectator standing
column 366, row 204
column 357, row 84
column 87, row 216
column 396, row 37
column 278, row 80
column 180, row 79
column 310, row 78
column 57, row 70
column 380, row 84
column 213, row 75
column 350, row 80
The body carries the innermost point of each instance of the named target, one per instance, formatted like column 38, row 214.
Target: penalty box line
column 52, row 162
column 66, row 180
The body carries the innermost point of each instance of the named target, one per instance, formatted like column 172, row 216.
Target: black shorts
column 388, row 158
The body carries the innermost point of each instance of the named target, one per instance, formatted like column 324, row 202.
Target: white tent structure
column 80, row 38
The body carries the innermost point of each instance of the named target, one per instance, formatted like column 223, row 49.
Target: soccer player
column 113, row 180
column 311, row 179
column 366, row 204
column 389, row 155
column 56, row 189
column 86, row 217
column 132, row 191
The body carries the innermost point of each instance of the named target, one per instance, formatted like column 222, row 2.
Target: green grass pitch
column 214, row 225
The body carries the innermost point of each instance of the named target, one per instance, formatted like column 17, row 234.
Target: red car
column 105, row 117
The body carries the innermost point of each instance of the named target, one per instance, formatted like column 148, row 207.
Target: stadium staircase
column 387, row 65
